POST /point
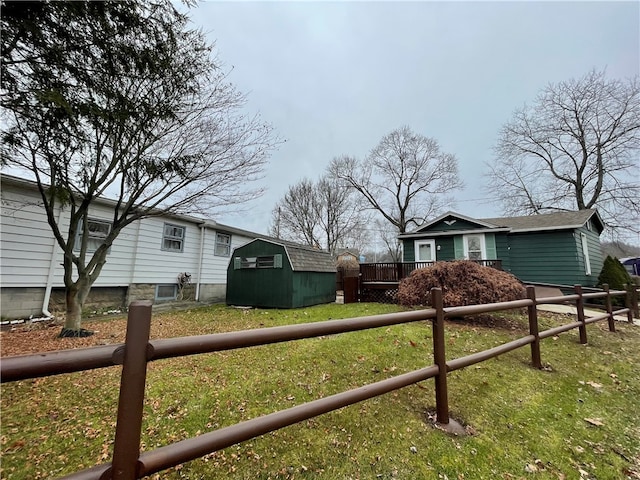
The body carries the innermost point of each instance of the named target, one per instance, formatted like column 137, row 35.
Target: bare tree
column 295, row 215
column 120, row 99
column 406, row 178
column 575, row 148
column 322, row 214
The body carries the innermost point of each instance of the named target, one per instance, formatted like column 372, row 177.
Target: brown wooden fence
column 129, row 463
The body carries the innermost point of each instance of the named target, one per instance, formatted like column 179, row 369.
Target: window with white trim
column 223, row 245
column 173, row 238
column 474, row 247
column 97, row 232
column 585, row 253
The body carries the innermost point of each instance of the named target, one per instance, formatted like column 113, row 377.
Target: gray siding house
column 143, row 263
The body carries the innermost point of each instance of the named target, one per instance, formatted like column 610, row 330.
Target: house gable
column 452, row 221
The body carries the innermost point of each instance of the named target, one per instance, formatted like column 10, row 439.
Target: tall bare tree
column 576, row 147
column 120, row 98
column 322, row 214
column 406, row 177
column 295, row 215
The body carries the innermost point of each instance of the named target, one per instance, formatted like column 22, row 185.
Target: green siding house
column 276, row 274
column 560, row 248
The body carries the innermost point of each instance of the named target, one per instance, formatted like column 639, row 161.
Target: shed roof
column 303, row 258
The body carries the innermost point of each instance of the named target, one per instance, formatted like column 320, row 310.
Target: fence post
column 126, row 449
column 609, row 307
column 533, row 327
column 631, row 302
column 580, row 309
column 439, row 358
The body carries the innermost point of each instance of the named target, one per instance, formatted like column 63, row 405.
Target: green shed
column 560, row 248
column 277, row 274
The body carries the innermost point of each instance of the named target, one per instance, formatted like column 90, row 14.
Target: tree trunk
column 75, row 298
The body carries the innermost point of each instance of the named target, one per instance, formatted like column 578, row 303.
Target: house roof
column 201, row 222
column 526, row 223
column 548, row 221
column 302, row 257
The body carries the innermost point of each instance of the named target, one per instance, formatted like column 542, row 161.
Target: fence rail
column 128, row 463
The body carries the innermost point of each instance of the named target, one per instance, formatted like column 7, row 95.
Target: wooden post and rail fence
column 129, row 463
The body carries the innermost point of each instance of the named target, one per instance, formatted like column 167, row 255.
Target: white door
column 425, row 250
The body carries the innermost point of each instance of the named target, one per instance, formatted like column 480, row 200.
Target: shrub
column 614, row 274
column 462, row 283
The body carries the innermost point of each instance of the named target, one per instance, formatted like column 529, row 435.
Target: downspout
column 203, row 230
column 134, row 263
column 52, row 270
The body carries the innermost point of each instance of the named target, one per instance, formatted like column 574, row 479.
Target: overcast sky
column 334, row 78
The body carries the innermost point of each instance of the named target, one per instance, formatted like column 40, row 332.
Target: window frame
column 80, row 232
column 173, row 238
column 483, row 246
column 585, row 253
column 225, row 245
column 161, row 285
column 258, row 262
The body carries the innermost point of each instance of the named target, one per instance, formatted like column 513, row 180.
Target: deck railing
column 396, row 271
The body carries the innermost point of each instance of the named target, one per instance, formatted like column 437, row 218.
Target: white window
column 166, row 292
column 97, row 232
column 173, row 238
column 425, row 250
column 223, row 245
column 474, row 247
column 585, row 253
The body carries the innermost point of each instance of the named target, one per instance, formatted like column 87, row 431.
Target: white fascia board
column 452, row 233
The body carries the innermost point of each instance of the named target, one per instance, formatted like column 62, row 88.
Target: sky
column 333, row 78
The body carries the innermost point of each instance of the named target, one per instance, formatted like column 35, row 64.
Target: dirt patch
column 455, row 427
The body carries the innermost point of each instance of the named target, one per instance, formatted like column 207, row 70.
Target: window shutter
column 458, row 247
column 237, row 264
column 277, row 261
column 490, row 244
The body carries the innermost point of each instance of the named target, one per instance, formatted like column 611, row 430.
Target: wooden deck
column 394, row 272
column 379, row 281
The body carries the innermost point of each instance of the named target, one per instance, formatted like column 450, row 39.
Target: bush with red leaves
column 462, row 283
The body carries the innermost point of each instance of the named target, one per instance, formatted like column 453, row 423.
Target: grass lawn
column 579, row 418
